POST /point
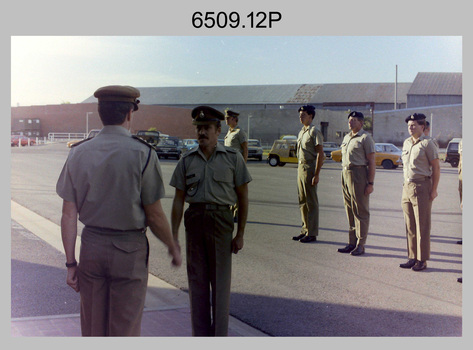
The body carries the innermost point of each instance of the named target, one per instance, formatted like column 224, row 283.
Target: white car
column 254, row 149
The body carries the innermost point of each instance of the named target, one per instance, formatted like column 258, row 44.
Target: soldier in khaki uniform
column 421, row 177
column 310, row 155
column 113, row 182
column 211, row 178
column 358, row 171
column 235, row 137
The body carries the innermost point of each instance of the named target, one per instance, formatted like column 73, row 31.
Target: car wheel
column 387, row 164
column 273, row 161
column 454, row 163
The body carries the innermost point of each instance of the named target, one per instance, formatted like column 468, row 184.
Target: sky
column 55, row 69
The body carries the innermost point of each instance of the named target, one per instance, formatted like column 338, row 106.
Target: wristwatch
column 370, row 183
column 72, row 264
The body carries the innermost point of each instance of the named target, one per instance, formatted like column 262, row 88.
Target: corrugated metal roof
column 437, row 84
column 361, row 92
column 243, row 94
column 424, row 84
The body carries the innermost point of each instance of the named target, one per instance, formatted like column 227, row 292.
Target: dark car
column 452, row 156
column 152, row 137
column 189, row 144
column 169, row 147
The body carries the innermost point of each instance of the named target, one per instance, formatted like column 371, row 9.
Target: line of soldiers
column 113, row 184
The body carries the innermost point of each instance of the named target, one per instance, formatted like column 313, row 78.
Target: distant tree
column 368, row 124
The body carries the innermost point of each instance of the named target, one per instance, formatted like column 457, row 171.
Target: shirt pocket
column 223, row 176
column 192, row 184
column 405, row 156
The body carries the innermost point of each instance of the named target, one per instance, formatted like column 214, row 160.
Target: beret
column 308, row 108
column 416, row 116
column 356, row 114
column 118, row 93
column 204, row 115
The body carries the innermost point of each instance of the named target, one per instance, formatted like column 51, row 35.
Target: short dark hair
column 114, row 113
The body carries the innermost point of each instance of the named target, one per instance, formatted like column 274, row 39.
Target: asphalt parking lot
column 285, row 288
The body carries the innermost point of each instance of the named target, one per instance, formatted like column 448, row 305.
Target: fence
column 65, row 136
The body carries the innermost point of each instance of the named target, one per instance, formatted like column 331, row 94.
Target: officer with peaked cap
column 421, row 177
column 113, row 183
column 358, row 171
column 235, row 138
column 211, row 178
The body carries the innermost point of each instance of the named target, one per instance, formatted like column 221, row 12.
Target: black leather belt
column 208, row 206
column 106, row 230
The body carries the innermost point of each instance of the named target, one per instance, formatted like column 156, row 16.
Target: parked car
column 329, row 147
column 168, row 147
column 152, row 137
column 190, row 144
column 254, row 149
column 21, row 139
column 289, row 137
column 282, row 152
column 92, row 133
column 387, row 155
column 452, row 156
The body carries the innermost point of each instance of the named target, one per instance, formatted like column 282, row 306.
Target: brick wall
column 71, row 118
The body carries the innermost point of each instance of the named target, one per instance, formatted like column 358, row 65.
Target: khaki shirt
column 234, row 138
column 355, row 148
column 211, row 181
column 110, row 178
column 309, row 137
column 417, row 157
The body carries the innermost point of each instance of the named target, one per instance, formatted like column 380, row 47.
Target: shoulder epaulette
column 81, row 142
column 229, row 149
column 143, row 142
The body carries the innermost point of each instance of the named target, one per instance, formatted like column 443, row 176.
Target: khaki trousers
column 417, row 208
column 356, row 204
column 308, row 200
column 209, row 236
column 113, row 277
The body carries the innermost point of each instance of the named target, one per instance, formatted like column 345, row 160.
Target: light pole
column 249, row 117
column 87, row 123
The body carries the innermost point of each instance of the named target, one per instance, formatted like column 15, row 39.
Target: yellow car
column 91, row 134
column 387, row 155
column 282, row 152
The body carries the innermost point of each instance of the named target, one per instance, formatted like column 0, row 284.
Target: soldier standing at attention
column 358, row 171
column 421, row 177
column 235, row 137
column 113, row 182
column 211, row 178
column 310, row 154
column 238, row 140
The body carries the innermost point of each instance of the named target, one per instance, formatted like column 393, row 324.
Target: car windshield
column 453, row 147
column 330, row 144
column 167, row 142
column 254, row 143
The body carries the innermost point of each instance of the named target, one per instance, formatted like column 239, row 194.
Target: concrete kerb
column 160, row 294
